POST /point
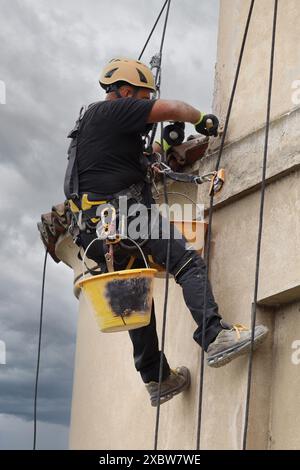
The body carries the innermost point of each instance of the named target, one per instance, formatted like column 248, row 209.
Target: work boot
column 233, row 342
column 178, row 380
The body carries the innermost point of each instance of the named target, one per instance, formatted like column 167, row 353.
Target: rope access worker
column 110, row 163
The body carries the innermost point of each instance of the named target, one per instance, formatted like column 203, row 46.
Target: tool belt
column 84, row 208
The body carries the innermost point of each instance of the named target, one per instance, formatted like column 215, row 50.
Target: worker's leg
column 192, row 280
column 146, row 352
column 223, row 342
column 189, row 271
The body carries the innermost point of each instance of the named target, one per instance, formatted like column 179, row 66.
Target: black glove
column 207, row 125
column 173, row 134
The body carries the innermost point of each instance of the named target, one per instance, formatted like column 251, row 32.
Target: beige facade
column 110, row 408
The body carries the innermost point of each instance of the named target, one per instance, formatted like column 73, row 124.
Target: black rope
column 158, row 82
column 237, row 73
column 158, row 79
column 165, row 28
column 164, row 323
column 39, row 353
column 260, row 228
column 152, row 30
column 211, row 207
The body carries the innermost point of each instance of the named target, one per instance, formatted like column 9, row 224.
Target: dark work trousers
column 188, row 269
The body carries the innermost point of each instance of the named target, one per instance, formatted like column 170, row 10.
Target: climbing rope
column 39, row 352
column 163, row 334
column 260, row 227
column 152, row 30
column 156, row 63
column 211, row 208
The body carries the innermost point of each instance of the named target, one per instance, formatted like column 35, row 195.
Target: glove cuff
column 200, row 118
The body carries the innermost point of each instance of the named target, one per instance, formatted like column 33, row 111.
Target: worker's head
column 127, row 78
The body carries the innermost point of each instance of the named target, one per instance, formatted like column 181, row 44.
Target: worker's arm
column 171, row 110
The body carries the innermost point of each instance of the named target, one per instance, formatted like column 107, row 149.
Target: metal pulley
column 173, row 134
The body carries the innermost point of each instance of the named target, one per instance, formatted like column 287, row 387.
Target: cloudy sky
column 51, row 56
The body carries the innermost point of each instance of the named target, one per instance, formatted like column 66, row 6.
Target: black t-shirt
column 110, row 145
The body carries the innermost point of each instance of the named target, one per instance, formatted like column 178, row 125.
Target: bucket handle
column 198, row 215
column 123, row 236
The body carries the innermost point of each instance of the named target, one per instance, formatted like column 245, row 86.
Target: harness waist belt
column 89, row 202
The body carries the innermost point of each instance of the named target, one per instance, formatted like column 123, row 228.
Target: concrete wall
column 111, row 408
column 249, row 110
column 284, row 416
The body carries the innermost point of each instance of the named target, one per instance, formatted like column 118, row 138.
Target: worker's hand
column 166, row 146
column 156, row 170
column 207, row 125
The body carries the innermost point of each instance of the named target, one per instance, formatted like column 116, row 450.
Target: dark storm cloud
column 51, row 55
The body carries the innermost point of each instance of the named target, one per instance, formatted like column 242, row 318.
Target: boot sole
column 166, row 397
column 224, row 357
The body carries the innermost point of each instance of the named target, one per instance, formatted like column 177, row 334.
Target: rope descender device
column 217, row 181
column 106, row 231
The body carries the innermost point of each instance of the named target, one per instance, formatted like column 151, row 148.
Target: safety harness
column 71, row 183
column 84, row 206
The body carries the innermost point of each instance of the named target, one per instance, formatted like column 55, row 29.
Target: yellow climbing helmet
column 127, row 70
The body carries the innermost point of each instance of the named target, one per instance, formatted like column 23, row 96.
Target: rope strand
column 260, row 227
column 207, row 253
column 158, row 78
column 152, row 30
column 39, row 353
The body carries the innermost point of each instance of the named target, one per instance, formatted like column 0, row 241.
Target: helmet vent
column 142, row 76
column 110, row 72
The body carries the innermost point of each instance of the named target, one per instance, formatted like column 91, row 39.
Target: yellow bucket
column 121, row 300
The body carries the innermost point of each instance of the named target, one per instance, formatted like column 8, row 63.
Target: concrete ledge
column 285, row 297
